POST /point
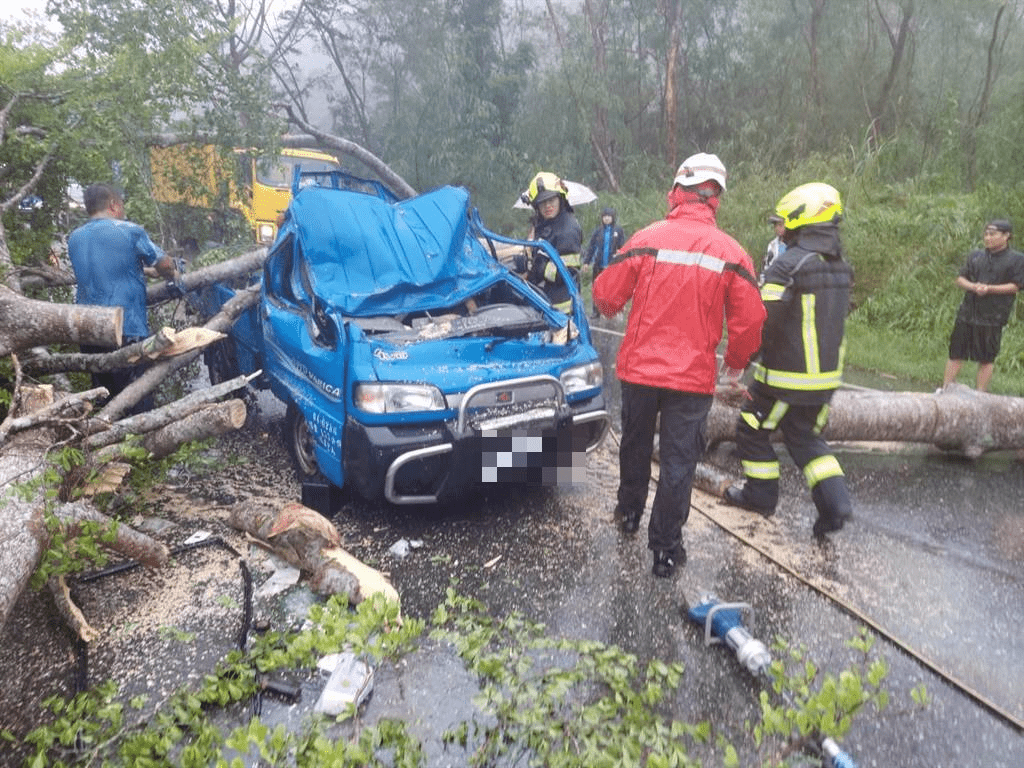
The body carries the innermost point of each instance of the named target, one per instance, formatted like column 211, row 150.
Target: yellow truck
column 204, row 187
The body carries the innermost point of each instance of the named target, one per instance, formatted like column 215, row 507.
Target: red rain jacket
column 684, row 276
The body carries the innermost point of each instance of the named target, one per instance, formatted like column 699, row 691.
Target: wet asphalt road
column 932, row 565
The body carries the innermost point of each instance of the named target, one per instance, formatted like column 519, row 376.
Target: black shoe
column 667, row 560
column 826, row 525
column 734, row 495
column 630, row 523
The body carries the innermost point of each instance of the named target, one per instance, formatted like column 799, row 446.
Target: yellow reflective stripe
column 550, row 272
column 750, row 419
column 822, row 468
column 809, row 382
column 822, row 419
column 761, row 470
column 571, row 259
column 775, row 415
column 772, row 292
column 564, row 306
column 810, row 334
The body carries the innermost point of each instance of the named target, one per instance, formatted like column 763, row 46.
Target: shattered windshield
column 503, row 320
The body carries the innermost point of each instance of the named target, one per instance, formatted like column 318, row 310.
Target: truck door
column 304, row 353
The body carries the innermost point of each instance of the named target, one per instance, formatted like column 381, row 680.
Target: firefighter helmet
column 814, row 203
column 544, row 186
column 696, row 169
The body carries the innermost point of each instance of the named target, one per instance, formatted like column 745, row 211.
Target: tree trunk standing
column 812, row 38
column 601, row 152
column 959, row 418
column 970, row 140
column 884, row 107
column 672, row 12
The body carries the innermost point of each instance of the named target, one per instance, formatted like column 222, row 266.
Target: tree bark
column 959, row 418
column 311, row 543
column 209, row 421
column 107, row 434
column 28, row 323
column 224, row 271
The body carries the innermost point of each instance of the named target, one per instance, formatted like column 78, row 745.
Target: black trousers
column 682, row 444
column 801, row 427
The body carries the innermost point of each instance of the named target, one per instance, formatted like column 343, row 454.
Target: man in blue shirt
column 108, row 255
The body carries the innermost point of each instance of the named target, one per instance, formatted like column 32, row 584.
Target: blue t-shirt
column 108, row 256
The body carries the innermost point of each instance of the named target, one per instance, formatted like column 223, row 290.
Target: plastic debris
column 350, row 683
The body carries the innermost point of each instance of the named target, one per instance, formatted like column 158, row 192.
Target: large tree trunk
column 958, row 418
column 28, row 323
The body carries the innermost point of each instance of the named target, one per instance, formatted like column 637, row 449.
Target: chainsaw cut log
column 26, row 323
column 311, row 543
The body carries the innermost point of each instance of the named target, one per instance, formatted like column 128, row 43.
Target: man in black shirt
column 991, row 279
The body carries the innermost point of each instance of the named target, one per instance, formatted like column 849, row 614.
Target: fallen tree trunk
column 28, row 323
column 224, row 271
column 147, row 382
column 25, row 534
column 208, row 421
column 958, row 418
column 103, row 433
column 311, row 543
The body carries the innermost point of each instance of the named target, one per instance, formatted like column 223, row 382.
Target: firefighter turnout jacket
column 683, row 275
column 807, row 295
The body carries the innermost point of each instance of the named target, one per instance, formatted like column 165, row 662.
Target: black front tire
column 221, row 364
column 301, row 444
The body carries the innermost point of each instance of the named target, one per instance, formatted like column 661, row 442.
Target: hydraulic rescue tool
column 723, row 623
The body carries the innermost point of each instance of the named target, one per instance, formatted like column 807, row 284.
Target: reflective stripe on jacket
column 807, row 296
column 684, row 276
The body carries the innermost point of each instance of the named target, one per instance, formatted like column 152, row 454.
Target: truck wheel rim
column 305, row 454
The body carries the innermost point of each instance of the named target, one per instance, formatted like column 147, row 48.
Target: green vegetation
column 542, row 701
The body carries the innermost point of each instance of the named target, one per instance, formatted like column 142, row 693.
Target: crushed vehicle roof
column 369, row 256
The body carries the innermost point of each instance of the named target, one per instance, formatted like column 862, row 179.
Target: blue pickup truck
column 413, row 361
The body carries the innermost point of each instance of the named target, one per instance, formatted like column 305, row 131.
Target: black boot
column 734, row 495
column 667, row 560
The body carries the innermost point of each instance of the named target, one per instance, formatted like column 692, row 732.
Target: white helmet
column 700, row 168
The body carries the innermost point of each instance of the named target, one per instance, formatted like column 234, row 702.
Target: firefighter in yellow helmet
column 554, row 221
column 806, row 291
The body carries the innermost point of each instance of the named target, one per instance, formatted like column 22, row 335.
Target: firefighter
column 555, row 222
column 806, row 292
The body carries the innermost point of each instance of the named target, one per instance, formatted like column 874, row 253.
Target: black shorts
column 979, row 343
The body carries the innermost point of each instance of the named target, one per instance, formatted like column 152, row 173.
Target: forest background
column 913, row 110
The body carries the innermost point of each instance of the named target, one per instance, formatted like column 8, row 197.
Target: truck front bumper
column 430, row 464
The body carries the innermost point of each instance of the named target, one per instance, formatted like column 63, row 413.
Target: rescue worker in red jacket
column 807, row 293
column 684, row 275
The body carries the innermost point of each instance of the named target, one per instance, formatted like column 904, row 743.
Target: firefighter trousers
column 801, row 427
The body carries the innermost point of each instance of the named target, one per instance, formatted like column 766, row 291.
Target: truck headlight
column 398, row 398
column 581, row 377
column 265, row 233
